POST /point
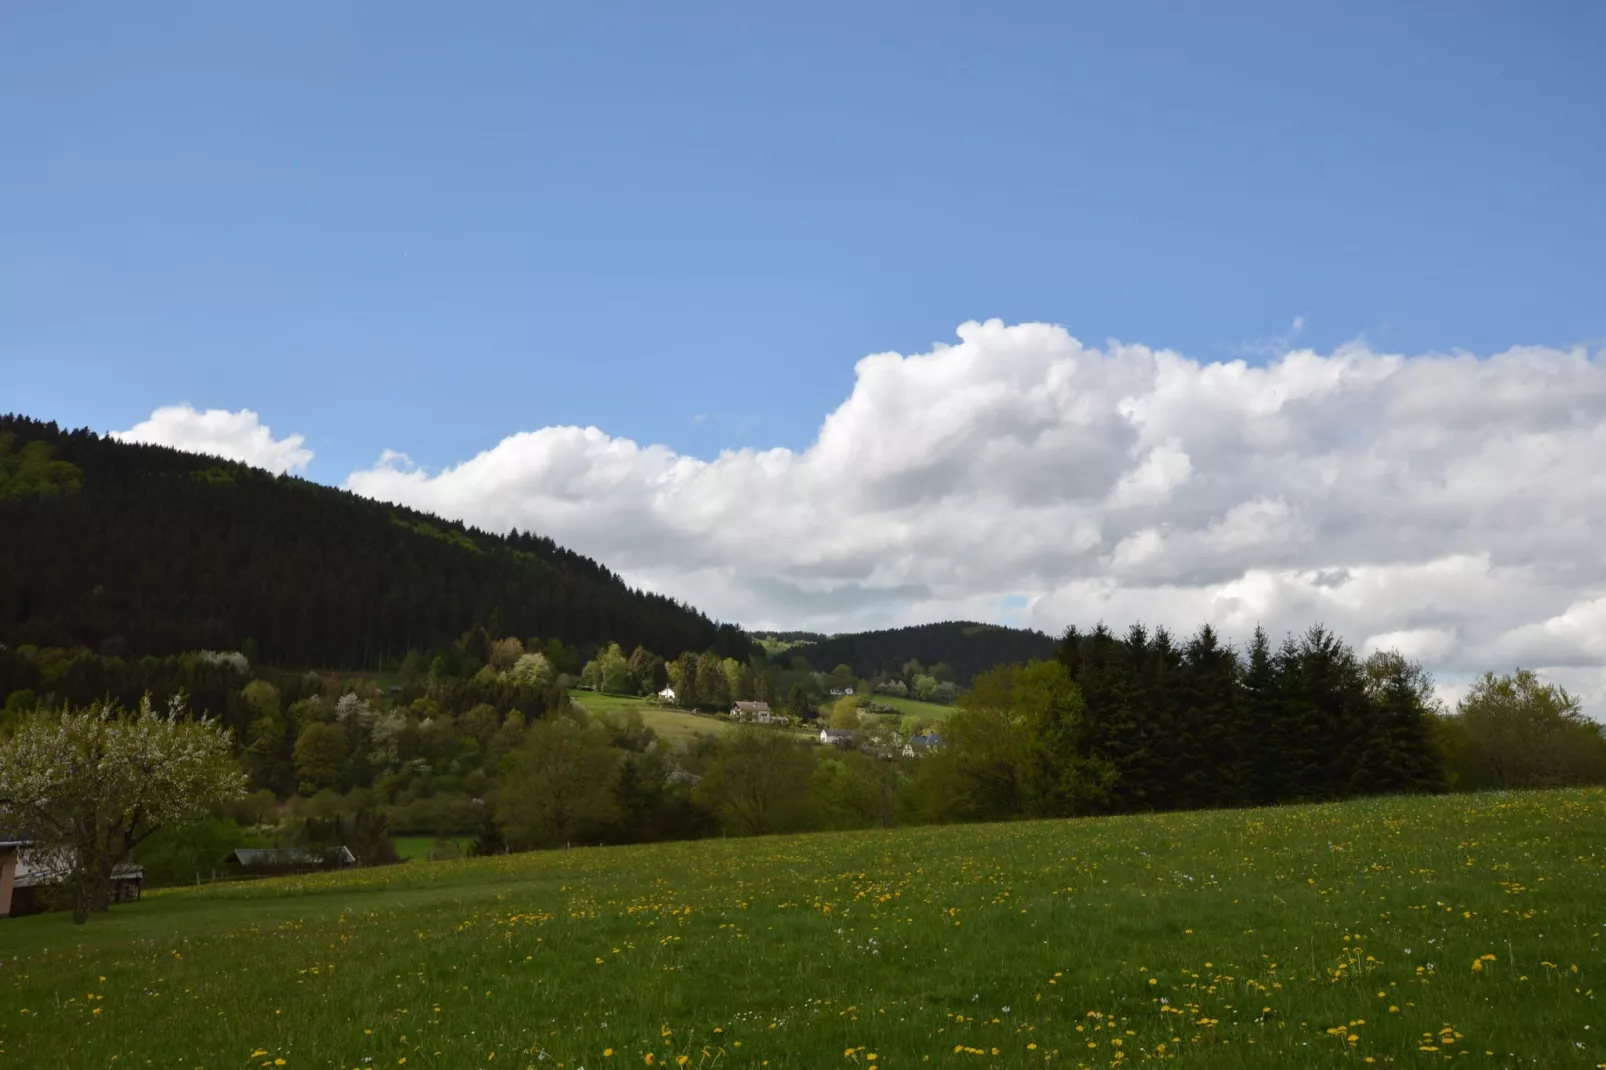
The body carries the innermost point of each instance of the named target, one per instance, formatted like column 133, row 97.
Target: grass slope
column 935, row 711
column 415, row 848
column 1396, row 932
column 674, row 726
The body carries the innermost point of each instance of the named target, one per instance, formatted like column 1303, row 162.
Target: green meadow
column 935, row 712
column 1388, row 931
column 417, row 848
column 672, row 725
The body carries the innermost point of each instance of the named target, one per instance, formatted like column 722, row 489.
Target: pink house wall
column 8, row 872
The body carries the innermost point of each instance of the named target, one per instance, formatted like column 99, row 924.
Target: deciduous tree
column 760, row 783
column 1521, row 732
column 558, row 785
column 321, row 749
column 92, row 784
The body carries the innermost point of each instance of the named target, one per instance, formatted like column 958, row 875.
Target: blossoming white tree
column 88, row 786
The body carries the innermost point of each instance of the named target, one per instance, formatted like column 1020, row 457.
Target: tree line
column 483, row 744
column 966, row 647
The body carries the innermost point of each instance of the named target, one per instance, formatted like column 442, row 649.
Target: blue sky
column 427, row 226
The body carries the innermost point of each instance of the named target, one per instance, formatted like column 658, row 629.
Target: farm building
column 838, row 737
column 30, row 875
column 276, row 861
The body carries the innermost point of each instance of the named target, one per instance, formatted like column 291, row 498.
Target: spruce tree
column 1209, row 733
column 1260, row 705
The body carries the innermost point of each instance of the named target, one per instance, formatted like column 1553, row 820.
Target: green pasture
column 672, row 725
column 933, row 711
column 1393, row 932
column 414, row 848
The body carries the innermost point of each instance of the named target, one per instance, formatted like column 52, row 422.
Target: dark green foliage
column 964, row 649
column 760, row 783
column 163, row 551
column 366, row 834
column 489, row 839
column 1258, row 701
column 1197, row 726
column 799, row 705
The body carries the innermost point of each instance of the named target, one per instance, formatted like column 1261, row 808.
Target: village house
column 667, row 694
column 837, row 737
column 920, row 745
column 756, row 713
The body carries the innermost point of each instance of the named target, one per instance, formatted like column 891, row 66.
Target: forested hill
column 967, row 647
column 138, row 550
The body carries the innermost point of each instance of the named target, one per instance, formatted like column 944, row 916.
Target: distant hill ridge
column 969, row 647
column 138, row 549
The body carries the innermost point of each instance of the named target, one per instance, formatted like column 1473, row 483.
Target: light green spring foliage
column 31, row 469
column 1404, row 931
column 1517, row 731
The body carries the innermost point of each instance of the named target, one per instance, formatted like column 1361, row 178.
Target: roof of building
column 41, row 867
column 752, row 707
column 274, row 857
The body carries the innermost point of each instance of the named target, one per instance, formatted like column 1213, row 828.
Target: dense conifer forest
column 967, row 647
column 144, row 550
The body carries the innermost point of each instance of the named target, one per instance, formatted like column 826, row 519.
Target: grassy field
column 674, row 726
column 936, row 712
column 414, row 848
column 1394, row 932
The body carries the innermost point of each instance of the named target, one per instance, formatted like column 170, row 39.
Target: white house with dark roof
column 838, row 737
column 756, row 713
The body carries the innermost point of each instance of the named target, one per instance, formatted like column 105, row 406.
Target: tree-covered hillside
column 137, row 549
column 967, row 647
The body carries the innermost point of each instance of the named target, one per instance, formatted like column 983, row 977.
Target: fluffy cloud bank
column 1448, row 505
column 236, row 436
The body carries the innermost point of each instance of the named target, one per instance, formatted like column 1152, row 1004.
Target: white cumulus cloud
column 1449, row 505
column 235, row 436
